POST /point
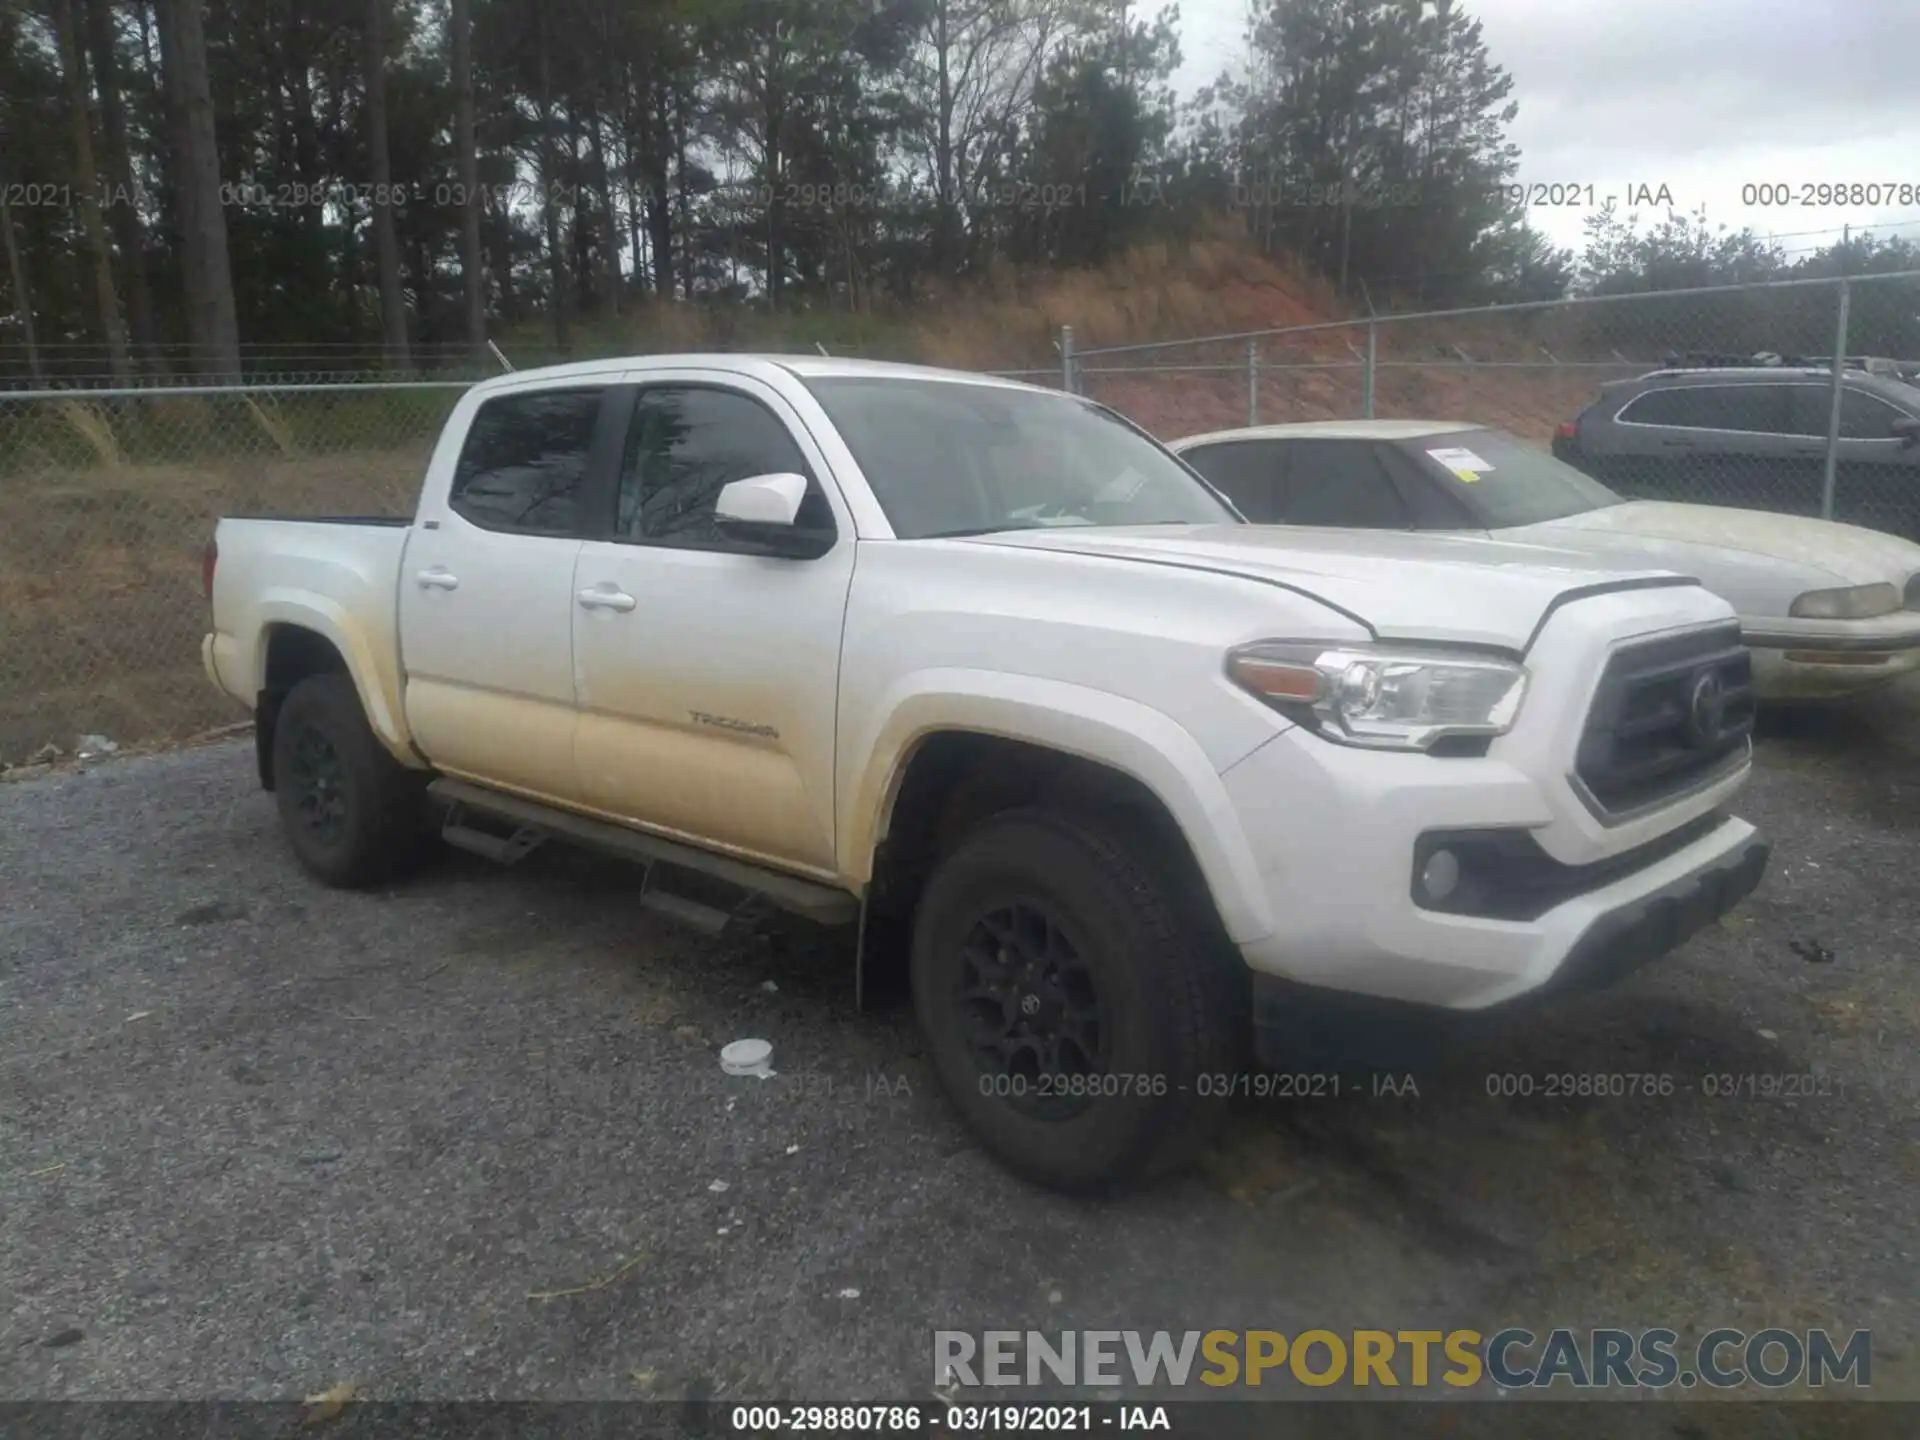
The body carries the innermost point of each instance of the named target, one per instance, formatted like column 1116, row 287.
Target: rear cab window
column 524, row 463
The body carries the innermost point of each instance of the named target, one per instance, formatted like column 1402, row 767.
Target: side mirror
column 1908, row 431
column 764, row 510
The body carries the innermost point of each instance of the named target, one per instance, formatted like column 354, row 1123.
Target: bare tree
column 386, row 245
column 123, row 196
column 213, row 326
column 972, row 74
column 73, row 66
column 558, row 299
column 17, row 275
column 762, row 70
column 472, row 263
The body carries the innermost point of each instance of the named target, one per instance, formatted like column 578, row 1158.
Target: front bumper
column 1830, row 659
column 1643, row 929
column 1335, row 837
column 1614, row 943
column 1379, row 942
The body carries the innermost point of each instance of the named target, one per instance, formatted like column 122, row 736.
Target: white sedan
column 1828, row 610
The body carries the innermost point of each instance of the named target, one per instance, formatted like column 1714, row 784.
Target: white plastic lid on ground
column 747, row 1057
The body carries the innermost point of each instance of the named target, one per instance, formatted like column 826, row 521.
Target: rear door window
column 1751, row 409
column 1340, row 482
column 1247, row 472
column 523, row 466
column 1657, row 407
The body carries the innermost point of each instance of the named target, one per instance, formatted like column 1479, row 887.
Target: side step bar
column 501, row 849
column 808, row 899
column 708, row 919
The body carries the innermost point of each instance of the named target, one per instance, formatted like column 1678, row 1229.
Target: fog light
column 1440, row 875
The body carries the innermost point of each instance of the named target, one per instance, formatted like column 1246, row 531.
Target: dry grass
column 1210, row 287
column 101, row 613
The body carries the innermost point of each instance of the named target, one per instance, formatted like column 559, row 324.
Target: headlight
column 1858, row 602
column 1382, row 698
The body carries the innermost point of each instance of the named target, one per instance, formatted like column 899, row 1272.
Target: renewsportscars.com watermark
column 1513, row 1359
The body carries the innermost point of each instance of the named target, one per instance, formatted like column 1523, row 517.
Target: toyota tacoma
column 984, row 667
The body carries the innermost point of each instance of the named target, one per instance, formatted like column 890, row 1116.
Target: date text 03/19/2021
column 951, row 1419
column 1256, row 1085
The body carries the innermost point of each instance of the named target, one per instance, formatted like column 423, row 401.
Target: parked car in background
column 1755, row 436
column 1829, row 610
column 983, row 668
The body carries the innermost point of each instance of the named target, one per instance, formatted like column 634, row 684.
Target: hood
column 1442, row 588
column 1682, row 536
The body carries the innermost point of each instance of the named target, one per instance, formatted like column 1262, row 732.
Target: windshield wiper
column 1076, row 525
column 975, row 530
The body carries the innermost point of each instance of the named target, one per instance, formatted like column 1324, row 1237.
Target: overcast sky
column 1703, row 96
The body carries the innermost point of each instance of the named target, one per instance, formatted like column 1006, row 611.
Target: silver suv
column 1755, row 436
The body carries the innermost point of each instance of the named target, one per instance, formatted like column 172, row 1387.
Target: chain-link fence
column 1730, row 395
column 84, row 365
column 107, row 499
column 107, row 496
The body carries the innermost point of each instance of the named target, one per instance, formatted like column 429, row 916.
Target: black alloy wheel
column 1032, row 1009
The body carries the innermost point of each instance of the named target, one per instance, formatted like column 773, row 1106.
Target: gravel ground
column 469, row 1138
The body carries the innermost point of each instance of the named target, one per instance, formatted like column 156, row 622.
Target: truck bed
column 334, row 574
column 388, row 522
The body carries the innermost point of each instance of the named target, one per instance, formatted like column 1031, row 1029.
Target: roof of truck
column 807, row 367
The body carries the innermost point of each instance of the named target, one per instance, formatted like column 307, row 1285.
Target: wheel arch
column 299, row 639
column 944, row 760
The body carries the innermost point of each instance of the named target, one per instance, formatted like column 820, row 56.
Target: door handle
column 438, row 579
column 606, row 598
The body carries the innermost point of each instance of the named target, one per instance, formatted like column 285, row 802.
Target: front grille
column 1670, row 715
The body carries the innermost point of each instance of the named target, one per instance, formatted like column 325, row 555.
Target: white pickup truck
column 985, row 666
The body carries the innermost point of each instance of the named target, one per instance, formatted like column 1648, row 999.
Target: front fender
column 372, row 659
column 1094, row 725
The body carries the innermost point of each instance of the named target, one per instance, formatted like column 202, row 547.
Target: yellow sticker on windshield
column 1466, row 466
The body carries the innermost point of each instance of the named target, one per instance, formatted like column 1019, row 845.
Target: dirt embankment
column 1525, row 373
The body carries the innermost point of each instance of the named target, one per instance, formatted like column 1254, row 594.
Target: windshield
column 1905, row 391
column 948, row 458
column 1503, row 480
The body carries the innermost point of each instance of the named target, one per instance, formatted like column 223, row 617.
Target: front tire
column 1075, row 999
column 353, row 814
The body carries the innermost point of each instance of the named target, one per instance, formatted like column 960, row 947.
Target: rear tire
column 1075, row 1000
column 353, row 814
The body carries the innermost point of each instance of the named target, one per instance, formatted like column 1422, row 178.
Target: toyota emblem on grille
column 1706, row 708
